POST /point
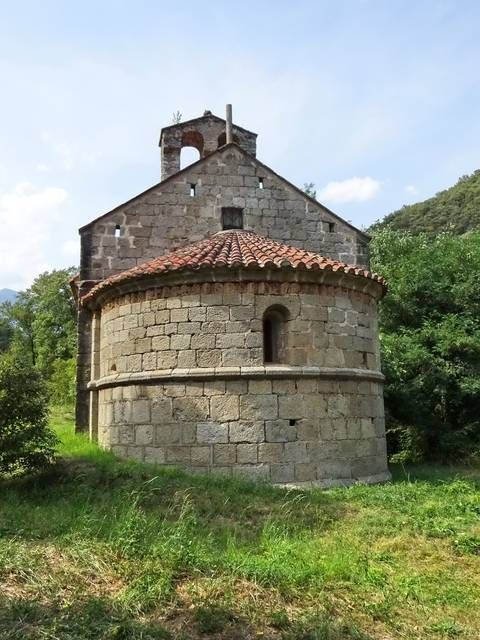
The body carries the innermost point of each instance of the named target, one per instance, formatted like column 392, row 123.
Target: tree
column 430, row 341
column 26, row 443
column 6, row 330
column 44, row 321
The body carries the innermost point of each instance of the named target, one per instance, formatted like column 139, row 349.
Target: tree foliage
column 26, row 443
column 455, row 210
column 39, row 329
column 430, row 340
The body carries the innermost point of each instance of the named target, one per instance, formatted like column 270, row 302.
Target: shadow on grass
column 434, row 473
column 94, row 619
column 100, row 489
column 100, row 619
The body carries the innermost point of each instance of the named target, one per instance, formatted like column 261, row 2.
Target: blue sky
column 376, row 102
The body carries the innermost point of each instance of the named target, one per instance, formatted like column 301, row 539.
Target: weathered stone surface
column 212, row 433
column 253, row 406
column 144, row 434
column 224, row 408
column 280, row 431
column 246, row 431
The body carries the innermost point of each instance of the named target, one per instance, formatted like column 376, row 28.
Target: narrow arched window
column 274, row 335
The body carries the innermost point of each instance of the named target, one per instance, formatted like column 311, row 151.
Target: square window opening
column 117, row 231
column 232, row 218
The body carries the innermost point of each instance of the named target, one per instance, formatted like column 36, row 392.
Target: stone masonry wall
column 167, row 217
column 220, row 325
column 306, row 426
column 301, row 431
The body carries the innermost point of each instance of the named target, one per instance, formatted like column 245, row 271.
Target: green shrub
column 430, row 344
column 26, row 443
column 61, row 385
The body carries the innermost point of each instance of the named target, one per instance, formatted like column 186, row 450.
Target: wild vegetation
column 455, row 210
column 96, row 548
column 26, row 442
column 38, row 331
column 430, row 342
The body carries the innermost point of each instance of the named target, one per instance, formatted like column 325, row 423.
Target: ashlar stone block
column 144, row 434
column 280, row 431
column 247, row 453
column 190, row 408
column 140, row 411
column 246, row 432
column 257, row 406
column 212, row 433
column 224, row 408
column 224, row 454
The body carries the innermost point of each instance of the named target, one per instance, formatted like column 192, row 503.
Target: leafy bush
column 430, row 342
column 26, row 443
column 61, row 386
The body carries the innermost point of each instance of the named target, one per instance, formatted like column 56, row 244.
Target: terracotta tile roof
column 231, row 249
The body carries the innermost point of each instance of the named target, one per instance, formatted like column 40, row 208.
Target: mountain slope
column 456, row 210
column 7, row 295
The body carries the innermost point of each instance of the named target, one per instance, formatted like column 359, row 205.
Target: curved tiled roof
column 232, row 249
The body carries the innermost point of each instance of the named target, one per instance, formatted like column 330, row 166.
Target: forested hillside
column 456, row 210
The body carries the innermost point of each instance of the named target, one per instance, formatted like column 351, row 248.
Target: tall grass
column 100, row 548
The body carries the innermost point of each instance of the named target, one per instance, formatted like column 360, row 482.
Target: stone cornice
column 233, row 373
column 241, row 275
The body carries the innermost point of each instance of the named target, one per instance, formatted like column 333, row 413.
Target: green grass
column 99, row 548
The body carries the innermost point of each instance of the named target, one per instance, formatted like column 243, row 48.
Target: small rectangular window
column 117, row 231
column 232, row 218
column 192, row 189
column 365, row 359
column 260, row 183
column 331, row 227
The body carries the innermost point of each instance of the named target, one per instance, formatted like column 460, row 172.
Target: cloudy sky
column 376, row 102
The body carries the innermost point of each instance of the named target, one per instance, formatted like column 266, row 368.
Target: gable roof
column 235, row 248
column 209, row 116
column 253, row 160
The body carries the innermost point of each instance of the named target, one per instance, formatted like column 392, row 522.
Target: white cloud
column 411, row 189
column 28, row 218
column 350, row 190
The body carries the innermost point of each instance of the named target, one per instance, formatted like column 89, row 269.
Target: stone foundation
column 302, row 430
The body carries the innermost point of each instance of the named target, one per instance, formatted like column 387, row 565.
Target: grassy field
column 102, row 549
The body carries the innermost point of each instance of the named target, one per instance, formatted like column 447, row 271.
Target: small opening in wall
column 260, row 183
column 331, row 227
column 232, row 218
column 292, row 422
column 365, row 358
column 117, row 231
column 113, row 367
column 192, row 189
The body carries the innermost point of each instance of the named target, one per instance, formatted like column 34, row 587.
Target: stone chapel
column 227, row 323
